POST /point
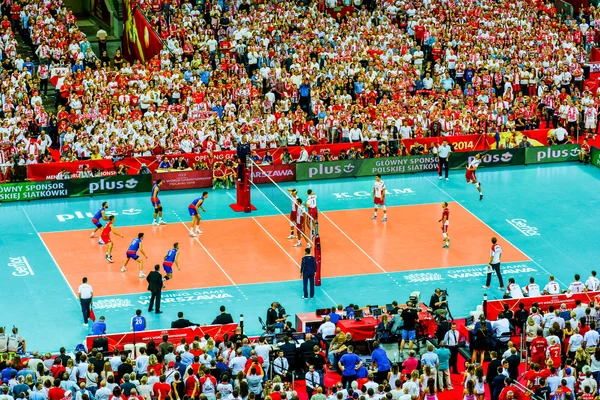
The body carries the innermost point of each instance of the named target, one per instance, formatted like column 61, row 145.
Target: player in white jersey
column 470, row 175
column 513, row 291
column 379, row 197
column 300, row 223
column 576, row 286
column 313, row 212
column 552, row 287
column 294, row 194
column 533, row 289
column 592, row 283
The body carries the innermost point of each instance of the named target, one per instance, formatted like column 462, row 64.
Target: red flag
column 92, row 315
column 140, row 40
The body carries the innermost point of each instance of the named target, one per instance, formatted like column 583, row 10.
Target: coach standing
column 494, row 265
column 86, row 295
column 443, row 156
column 155, row 284
column 307, row 272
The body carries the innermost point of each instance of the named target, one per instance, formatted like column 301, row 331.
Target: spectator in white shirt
column 303, row 155
column 327, row 328
column 237, row 363
column 592, row 283
column 428, row 82
column 141, row 363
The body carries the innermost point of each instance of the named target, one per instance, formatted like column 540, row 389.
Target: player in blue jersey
column 156, row 203
column 171, row 258
column 195, row 214
column 134, row 247
column 100, row 215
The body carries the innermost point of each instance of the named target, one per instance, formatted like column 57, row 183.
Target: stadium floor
column 545, row 217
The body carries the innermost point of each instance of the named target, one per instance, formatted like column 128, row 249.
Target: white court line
column 48, row 250
column 211, row 256
column 489, row 227
column 288, row 254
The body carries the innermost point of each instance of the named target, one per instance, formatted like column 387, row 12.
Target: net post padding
column 242, row 203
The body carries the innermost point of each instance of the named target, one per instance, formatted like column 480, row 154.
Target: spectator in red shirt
column 56, row 392
column 539, row 345
column 117, row 394
column 162, row 389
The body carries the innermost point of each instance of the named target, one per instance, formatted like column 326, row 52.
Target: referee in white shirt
column 494, row 265
column 443, row 153
column 85, row 298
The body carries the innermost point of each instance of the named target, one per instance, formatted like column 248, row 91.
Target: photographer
column 275, row 316
column 438, row 303
column 143, row 170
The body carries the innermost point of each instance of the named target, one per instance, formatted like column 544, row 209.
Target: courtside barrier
column 25, row 191
column 495, row 307
column 119, row 340
column 428, row 162
column 595, row 156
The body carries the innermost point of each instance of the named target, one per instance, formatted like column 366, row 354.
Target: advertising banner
column 75, row 187
column 491, row 158
column 278, row 173
column 184, row 179
column 543, row 155
column 140, row 40
column 397, row 165
column 327, row 170
column 595, row 156
column 48, row 172
column 119, row 340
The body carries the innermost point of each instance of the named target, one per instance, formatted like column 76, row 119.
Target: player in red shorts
column 445, row 222
column 471, row 177
column 300, row 224
column 294, row 194
column 313, row 212
column 379, row 198
column 105, row 237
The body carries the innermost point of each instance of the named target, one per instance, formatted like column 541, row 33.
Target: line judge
column 86, row 295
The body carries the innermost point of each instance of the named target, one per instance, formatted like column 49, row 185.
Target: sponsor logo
column 403, row 165
column 514, row 269
column 550, row 153
column 363, row 193
column 108, row 185
column 178, row 297
column 20, row 266
column 324, row 170
column 522, row 226
column 77, row 175
column 273, row 173
column 423, row 277
column 494, row 158
column 111, row 303
column 86, row 215
column 31, row 191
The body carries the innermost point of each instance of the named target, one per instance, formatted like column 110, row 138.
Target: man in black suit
column 181, row 322
column 223, row 318
column 155, row 284
column 492, row 370
column 514, row 360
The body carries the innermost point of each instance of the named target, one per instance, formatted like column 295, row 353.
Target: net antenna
column 282, row 201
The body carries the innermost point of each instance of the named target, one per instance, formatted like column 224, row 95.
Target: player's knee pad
column 384, row 208
column 477, row 184
column 445, row 235
column 159, row 208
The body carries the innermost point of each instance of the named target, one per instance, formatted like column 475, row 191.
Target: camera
column 443, row 294
column 281, row 311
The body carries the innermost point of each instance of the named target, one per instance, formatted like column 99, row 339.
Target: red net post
column 317, row 245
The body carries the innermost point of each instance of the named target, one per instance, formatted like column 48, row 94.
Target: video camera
column 444, row 294
column 281, row 311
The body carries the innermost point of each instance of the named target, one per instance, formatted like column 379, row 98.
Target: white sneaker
column 93, row 234
column 101, row 242
column 154, row 223
column 86, row 325
column 447, row 180
column 108, row 258
column 298, row 244
column 192, row 234
column 384, row 219
column 308, row 246
column 198, row 231
column 440, row 178
column 373, row 217
column 142, row 275
column 291, row 237
column 123, row 269
column 162, row 222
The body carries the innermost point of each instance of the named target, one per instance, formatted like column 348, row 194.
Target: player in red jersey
column 379, row 198
column 554, row 352
column 294, row 194
column 584, row 153
column 445, row 222
column 470, row 175
column 105, row 237
column 538, row 347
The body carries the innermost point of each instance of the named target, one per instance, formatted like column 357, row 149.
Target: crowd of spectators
column 289, row 73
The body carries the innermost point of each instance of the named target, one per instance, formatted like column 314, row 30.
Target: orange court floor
column 256, row 249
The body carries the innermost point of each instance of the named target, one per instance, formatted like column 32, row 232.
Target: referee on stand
column 443, row 155
column 86, row 295
column 307, row 272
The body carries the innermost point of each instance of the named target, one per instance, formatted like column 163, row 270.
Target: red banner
column 140, row 41
column 119, row 340
column 184, row 179
column 495, row 307
column 44, row 172
column 278, row 173
column 152, row 162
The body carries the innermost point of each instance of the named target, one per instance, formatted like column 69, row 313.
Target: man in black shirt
column 307, row 347
column 238, row 336
column 223, row 318
column 410, row 318
column 543, row 392
column 274, row 321
column 182, row 322
column 438, row 303
column 395, row 309
column 317, row 360
column 125, row 368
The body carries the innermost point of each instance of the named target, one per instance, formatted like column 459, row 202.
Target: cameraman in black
column 439, row 303
column 275, row 316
